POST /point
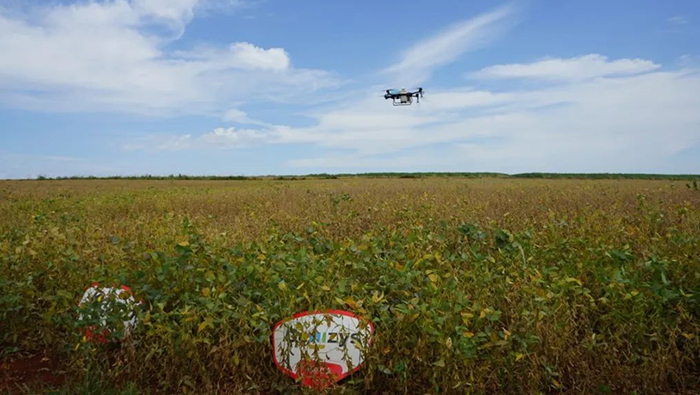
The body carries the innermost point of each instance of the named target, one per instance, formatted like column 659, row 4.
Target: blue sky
column 246, row 87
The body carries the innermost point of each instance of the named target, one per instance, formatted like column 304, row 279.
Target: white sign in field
column 321, row 348
column 102, row 306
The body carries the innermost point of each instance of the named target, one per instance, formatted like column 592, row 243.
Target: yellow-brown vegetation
column 474, row 285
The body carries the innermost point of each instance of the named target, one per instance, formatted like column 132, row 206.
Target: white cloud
column 231, row 138
column 241, row 117
column 103, row 56
column 178, row 11
column 689, row 61
column 630, row 123
column 469, row 98
column 240, row 55
column 677, row 20
column 419, row 60
column 176, row 143
column 236, row 115
column 572, row 69
column 219, row 138
column 17, row 165
column 249, row 56
column 586, row 113
column 616, row 123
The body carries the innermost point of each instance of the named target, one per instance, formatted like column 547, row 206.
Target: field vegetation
column 475, row 285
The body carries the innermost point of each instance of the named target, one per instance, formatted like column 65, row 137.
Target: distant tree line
column 322, row 176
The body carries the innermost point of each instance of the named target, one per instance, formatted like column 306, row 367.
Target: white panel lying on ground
column 321, row 347
column 110, row 300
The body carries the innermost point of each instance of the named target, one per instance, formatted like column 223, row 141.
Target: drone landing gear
column 404, row 100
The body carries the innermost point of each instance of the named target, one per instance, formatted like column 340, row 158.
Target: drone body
column 401, row 97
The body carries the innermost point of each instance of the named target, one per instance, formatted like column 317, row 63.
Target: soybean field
column 475, row 285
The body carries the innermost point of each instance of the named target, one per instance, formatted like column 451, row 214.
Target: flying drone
column 401, row 97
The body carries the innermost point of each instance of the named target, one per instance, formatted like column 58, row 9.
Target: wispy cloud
column 238, row 117
column 572, row 69
column 621, row 122
column 618, row 123
column 418, row 61
column 107, row 56
column 19, row 165
column 677, row 20
column 584, row 113
column 217, row 139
